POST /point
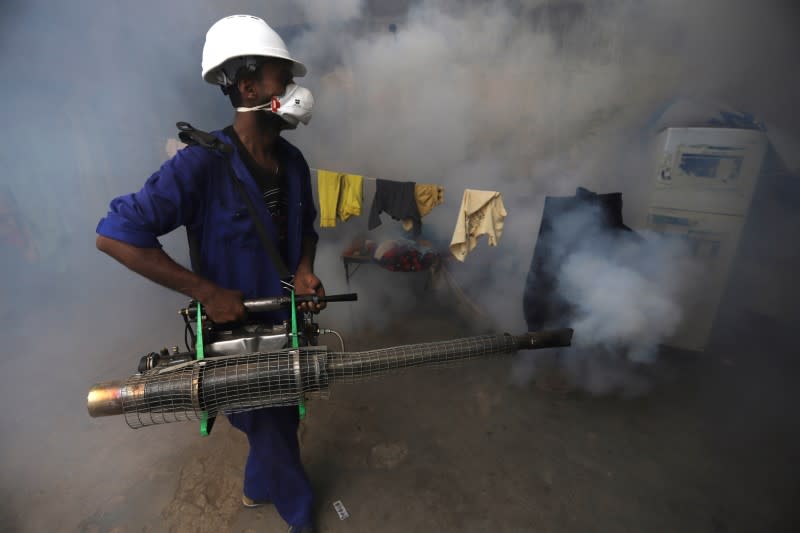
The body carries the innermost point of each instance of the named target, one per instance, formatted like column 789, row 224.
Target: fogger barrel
column 251, row 381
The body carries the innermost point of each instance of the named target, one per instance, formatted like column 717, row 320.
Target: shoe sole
column 250, row 504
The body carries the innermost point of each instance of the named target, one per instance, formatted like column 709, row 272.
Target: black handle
column 349, row 297
column 260, row 305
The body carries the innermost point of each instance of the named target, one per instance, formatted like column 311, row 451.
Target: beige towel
column 481, row 213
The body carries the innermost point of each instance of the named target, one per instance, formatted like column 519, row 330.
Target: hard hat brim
column 211, row 75
column 298, row 69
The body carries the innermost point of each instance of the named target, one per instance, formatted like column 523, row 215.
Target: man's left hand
column 306, row 282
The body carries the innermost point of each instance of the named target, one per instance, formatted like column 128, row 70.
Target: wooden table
column 353, row 263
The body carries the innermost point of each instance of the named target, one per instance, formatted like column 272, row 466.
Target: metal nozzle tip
column 105, row 399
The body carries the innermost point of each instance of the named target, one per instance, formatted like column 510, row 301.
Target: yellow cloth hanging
column 328, row 183
column 350, row 196
column 427, row 197
column 339, row 194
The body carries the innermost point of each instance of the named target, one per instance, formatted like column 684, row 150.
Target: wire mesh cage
column 235, row 383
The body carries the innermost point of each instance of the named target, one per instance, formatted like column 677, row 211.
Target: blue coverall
column 194, row 189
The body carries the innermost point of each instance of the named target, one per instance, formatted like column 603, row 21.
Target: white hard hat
column 239, row 40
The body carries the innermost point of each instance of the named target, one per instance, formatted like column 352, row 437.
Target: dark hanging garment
column 568, row 223
column 398, row 200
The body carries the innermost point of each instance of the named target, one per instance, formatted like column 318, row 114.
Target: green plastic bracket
column 205, row 423
column 301, row 405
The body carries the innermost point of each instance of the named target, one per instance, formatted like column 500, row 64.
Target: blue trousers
column 274, row 471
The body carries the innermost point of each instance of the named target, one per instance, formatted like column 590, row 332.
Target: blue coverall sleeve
column 169, row 198
column 309, row 211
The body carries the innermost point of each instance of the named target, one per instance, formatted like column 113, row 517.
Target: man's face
column 273, row 77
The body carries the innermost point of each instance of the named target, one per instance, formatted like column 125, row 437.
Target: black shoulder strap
column 194, row 137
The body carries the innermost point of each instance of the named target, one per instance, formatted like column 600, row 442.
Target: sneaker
column 301, row 529
column 250, row 503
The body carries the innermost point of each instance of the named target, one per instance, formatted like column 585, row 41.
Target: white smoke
column 324, row 12
column 621, row 291
column 531, row 98
column 621, row 301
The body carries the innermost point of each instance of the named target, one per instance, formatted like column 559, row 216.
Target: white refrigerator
column 700, row 192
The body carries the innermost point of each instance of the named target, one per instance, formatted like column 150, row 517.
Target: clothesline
column 364, row 177
column 481, row 212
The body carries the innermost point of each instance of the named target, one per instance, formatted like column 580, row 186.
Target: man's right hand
column 224, row 305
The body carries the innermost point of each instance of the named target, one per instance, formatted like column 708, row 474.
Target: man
column 250, row 62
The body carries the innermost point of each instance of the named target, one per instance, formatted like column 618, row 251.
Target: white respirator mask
column 293, row 107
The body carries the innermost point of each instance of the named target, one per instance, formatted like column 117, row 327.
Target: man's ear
column 246, row 88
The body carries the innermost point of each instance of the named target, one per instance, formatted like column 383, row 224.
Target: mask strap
column 273, row 105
